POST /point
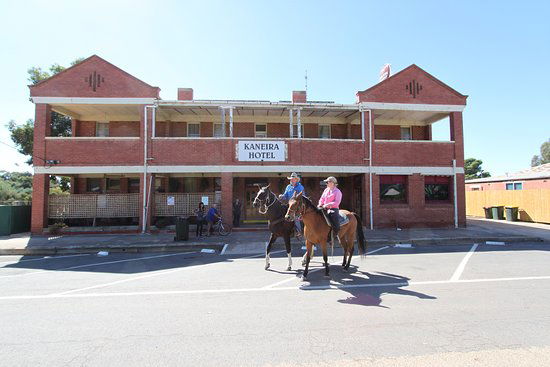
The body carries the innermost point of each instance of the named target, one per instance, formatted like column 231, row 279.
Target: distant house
column 527, row 189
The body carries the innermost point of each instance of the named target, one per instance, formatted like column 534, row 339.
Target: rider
column 294, row 187
column 330, row 201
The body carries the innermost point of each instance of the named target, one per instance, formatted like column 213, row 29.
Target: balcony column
column 231, row 122
column 222, row 119
column 291, row 121
column 227, row 197
column 299, row 122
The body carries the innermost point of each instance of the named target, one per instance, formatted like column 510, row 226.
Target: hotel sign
column 263, row 150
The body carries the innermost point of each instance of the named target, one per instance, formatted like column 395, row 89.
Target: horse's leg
column 325, row 257
column 288, row 252
column 309, row 247
column 349, row 246
column 268, row 250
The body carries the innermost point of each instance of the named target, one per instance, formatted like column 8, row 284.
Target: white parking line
column 462, row 265
column 248, row 290
column 315, row 270
column 43, row 258
column 93, row 264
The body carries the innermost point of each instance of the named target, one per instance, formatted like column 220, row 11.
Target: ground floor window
column 437, row 188
column 133, row 185
column 93, row 185
column 393, row 189
column 113, row 184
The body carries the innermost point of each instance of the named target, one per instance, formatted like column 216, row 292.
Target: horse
column 317, row 230
column 275, row 211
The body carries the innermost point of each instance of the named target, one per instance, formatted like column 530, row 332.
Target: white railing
column 94, row 206
column 179, row 204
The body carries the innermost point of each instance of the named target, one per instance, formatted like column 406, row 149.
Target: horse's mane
column 310, row 205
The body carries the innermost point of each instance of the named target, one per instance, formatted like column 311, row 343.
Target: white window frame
column 199, row 132
column 260, row 132
column 97, row 130
column 513, row 183
column 214, row 130
column 410, row 132
column 329, row 131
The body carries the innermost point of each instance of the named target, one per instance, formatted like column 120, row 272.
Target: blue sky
column 497, row 52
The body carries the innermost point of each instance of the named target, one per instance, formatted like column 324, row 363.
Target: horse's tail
column 361, row 243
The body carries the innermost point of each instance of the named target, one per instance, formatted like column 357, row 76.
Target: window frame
column 256, row 130
column 214, row 130
column 105, row 124
column 395, row 178
column 410, row 132
column 513, row 185
column 198, row 135
column 443, row 181
column 88, row 185
column 319, row 126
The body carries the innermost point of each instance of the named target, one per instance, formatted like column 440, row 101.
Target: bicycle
column 223, row 229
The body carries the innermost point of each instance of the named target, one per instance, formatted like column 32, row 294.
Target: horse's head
column 295, row 206
column 261, row 196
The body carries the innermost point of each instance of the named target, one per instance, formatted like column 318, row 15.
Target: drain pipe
column 455, row 193
column 146, row 193
column 370, row 170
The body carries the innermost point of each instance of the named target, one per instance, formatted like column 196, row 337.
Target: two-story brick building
column 138, row 158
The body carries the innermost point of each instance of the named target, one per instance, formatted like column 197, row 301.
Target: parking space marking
column 125, row 280
column 315, row 270
column 92, row 265
column 43, row 258
column 249, row 290
column 462, row 265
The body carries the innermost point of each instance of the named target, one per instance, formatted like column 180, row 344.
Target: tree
column 22, row 135
column 15, row 186
column 472, row 169
column 544, row 156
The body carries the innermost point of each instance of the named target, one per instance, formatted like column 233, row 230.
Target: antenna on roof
column 306, row 81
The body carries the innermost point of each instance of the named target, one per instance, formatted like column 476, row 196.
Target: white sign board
column 261, row 150
column 204, row 200
column 170, row 200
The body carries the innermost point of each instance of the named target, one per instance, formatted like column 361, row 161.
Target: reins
column 265, row 202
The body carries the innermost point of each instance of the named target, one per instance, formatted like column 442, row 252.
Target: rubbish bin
column 488, row 214
column 182, row 229
column 498, row 212
column 512, row 213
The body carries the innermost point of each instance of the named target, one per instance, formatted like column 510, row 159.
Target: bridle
column 265, row 203
column 299, row 210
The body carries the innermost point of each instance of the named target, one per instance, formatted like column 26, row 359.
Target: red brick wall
column 85, row 128
column 278, row 130
column 114, row 82
column 95, row 152
column 124, row 128
column 311, row 131
column 243, row 130
column 405, row 153
column 207, row 129
column 356, row 132
column 179, row 129
column 387, row 132
column 420, row 133
column 338, row 131
column 393, row 90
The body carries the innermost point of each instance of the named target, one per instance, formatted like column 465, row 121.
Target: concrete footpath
column 239, row 243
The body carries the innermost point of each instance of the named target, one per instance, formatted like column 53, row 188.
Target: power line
column 12, row 147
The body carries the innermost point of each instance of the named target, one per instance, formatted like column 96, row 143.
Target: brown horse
column 316, row 231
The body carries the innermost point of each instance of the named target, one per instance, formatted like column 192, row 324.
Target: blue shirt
column 290, row 190
column 211, row 215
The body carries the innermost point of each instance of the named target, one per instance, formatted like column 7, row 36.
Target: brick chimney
column 299, row 96
column 185, row 94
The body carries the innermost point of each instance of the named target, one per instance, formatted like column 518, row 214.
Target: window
column 193, row 130
column 393, row 189
column 93, row 185
column 436, row 188
column 514, row 186
column 133, row 185
column 324, row 131
column 261, row 131
column 406, row 133
column 102, row 129
column 190, row 184
column 173, row 184
column 113, row 184
column 218, row 131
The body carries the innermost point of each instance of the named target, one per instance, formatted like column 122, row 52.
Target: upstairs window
column 437, row 188
column 260, row 131
column 406, row 133
column 102, row 129
column 218, row 131
column 324, row 131
column 393, row 189
column 194, row 130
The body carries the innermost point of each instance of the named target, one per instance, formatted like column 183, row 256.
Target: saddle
column 341, row 216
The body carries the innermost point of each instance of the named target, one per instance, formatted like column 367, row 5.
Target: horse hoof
column 304, row 278
column 327, row 276
column 267, row 266
column 303, row 263
column 288, row 269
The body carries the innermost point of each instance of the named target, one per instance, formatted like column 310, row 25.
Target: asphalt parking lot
column 459, row 304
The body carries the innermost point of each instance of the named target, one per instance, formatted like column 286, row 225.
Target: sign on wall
column 264, row 150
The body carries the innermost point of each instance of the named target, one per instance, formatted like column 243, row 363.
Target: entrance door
column 251, row 214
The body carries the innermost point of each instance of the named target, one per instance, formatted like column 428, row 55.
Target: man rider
column 294, row 187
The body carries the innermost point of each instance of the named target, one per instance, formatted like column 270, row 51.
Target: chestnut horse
column 316, row 231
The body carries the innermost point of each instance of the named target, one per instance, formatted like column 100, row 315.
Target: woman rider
column 330, row 201
column 293, row 187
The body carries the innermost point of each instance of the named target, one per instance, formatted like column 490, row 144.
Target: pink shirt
column 331, row 197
